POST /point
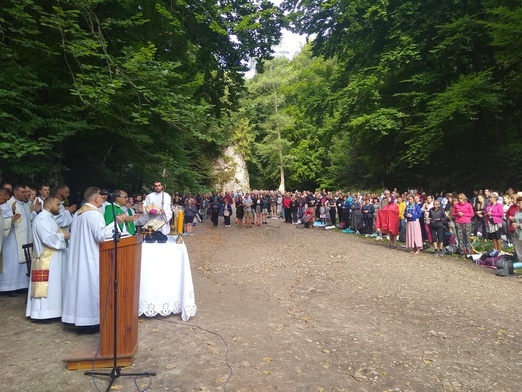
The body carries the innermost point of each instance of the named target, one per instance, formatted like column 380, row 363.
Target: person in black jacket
column 367, row 211
column 437, row 217
column 215, row 208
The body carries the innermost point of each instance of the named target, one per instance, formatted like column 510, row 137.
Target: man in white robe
column 5, row 224
column 104, row 193
column 46, row 284
column 81, row 304
column 14, row 275
column 44, row 193
column 158, row 206
column 64, row 218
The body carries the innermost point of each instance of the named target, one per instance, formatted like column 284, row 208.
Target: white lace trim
column 167, row 308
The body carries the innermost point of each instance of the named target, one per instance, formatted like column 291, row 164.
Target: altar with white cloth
column 166, row 280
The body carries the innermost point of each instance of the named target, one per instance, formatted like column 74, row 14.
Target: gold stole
column 84, row 208
column 40, row 274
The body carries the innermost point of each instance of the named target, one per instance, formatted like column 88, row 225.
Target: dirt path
column 302, row 310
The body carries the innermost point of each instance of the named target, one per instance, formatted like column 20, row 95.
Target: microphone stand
column 116, row 370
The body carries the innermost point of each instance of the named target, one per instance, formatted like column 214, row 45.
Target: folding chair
column 28, row 250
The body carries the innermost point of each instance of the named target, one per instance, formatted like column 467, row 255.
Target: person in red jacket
column 287, row 200
column 387, row 221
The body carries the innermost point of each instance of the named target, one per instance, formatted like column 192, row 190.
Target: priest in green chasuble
column 125, row 216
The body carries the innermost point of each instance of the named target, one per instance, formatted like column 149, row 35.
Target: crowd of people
column 420, row 220
column 63, row 237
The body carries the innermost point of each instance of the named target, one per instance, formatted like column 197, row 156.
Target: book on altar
column 109, row 232
column 156, row 224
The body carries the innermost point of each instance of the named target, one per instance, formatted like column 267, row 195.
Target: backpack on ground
column 504, row 266
column 450, row 249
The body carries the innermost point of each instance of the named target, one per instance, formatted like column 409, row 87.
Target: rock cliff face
column 230, row 172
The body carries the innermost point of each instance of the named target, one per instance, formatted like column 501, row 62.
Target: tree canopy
column 407, row 92
column 116, row 92
column 386, row 93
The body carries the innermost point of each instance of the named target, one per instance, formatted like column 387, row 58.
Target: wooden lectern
column 129, row 268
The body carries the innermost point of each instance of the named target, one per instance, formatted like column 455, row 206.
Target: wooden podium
column 129, row 267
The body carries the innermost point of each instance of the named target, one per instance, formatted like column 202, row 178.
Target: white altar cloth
column 166, row 280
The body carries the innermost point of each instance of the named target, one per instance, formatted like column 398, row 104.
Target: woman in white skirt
column 412, row 214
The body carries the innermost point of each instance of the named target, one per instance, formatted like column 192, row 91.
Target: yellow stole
column 86, row 207
column 40, row 273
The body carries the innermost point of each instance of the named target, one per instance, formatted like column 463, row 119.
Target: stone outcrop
column 230, row 172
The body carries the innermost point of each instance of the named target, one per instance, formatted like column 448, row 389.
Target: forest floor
column 288, row 309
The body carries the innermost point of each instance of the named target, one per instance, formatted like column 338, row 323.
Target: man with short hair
column 104, row 192
column 14, row 276
column 8, row 185
column 64, row 218
column 43, row 193
column 157, row 206
column 384, row 199
column 45, row 297
column 81, row 303
column 125, row 216
column 247, row 207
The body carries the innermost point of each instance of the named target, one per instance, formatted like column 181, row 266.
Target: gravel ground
column 288, row 309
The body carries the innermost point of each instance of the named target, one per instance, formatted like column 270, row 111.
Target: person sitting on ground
column 308, row 216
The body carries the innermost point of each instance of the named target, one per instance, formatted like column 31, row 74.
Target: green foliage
column 119, row 93
column 418, row 91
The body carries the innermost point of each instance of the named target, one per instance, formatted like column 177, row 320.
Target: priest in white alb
column 81, row 303
column 16, row 213
column 5, row 224
column 64, row 218
column 158, row 206
column 46, row 282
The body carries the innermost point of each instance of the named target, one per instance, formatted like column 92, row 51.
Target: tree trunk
column 280, row 148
